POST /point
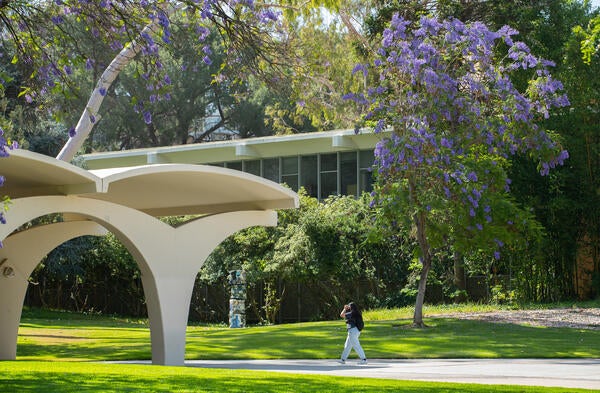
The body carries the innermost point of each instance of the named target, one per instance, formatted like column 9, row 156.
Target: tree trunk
column 459, row 277
column 418, row 315
column 90, row 114
column 426, row 266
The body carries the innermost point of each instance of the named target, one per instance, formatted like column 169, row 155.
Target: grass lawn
column 61, row 377
column 65, row 336
column 55, row 349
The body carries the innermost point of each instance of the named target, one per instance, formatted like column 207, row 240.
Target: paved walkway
column 568, row 373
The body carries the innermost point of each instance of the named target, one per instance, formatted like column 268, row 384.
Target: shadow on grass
column 73, row 377
column 444, row 338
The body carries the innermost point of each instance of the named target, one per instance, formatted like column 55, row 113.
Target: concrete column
column 174, row 266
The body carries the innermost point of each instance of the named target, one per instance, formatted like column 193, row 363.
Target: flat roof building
column 324, row 163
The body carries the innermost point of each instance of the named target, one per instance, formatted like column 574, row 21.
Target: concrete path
column 568, row 373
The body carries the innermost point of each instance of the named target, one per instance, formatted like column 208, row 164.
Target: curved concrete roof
column 159, row 190
column 33, row 174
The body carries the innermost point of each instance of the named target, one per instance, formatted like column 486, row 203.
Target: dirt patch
column 578, row 318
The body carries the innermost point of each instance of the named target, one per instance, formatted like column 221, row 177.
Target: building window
column 348, row 173
column 289, row 172
column 365, row 176
column 271, row 169
column 328, row 175
column 252, row 167
column 309, row 175
column 237, row 165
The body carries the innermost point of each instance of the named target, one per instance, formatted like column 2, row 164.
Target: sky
column 595, row 3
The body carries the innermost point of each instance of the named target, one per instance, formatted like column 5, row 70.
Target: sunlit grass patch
column 61, row 377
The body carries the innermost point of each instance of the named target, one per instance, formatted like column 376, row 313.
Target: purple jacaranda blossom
column 147, row 117
column 456, row 118
column 166, row 36
column 268, row 16
column 116, row 45
column 163, row 20
column 360, row 68
column 72, row 132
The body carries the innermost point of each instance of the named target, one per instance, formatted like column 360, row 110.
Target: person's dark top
column 350, row 321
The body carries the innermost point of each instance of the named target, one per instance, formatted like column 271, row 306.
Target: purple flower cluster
column 114, row 22
column 456, row 113
column 5, row 147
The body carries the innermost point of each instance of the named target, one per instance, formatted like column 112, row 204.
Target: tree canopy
column 457, row 117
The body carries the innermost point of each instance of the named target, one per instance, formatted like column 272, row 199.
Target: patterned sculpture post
column 237, row 300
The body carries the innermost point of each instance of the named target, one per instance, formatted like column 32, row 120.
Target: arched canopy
column 31, row 174
column 124, row 200
column 159, row 190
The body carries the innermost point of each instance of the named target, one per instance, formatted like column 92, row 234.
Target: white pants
column 353, row 343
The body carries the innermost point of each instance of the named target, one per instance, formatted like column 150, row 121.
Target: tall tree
column 456, row 118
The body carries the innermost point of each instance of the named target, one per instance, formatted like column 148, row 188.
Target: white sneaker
column 362, row 361
column 341, row 361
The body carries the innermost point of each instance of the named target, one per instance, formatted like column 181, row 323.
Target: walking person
column 354, row 324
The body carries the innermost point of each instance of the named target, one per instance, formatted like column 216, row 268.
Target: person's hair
column 354, row 308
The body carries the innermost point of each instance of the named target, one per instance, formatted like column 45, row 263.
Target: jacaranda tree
column 140, row 31
column 445, row 88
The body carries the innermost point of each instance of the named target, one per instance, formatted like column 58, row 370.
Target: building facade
column 324, row 163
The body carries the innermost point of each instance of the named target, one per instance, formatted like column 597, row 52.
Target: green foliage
column 326, row 246
column 89, row 274
column 567, row 202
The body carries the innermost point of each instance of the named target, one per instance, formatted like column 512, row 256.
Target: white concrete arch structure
column 125, row 201
column 18, row 260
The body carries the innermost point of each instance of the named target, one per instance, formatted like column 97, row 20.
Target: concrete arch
column 163, row 253
column 18, row 259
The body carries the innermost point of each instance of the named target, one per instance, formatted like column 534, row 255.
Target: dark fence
column 295, row 301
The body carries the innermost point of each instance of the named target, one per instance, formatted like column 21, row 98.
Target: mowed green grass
column 59, row 352
column 61, row 377
column 66, row 336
